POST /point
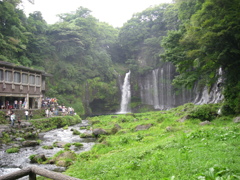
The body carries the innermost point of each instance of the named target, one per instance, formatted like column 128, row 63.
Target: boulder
column 204, row 123
column 99, row 131
column 19, row 139
column 183, row 118
column 86, row 135
column 66, row 155
column 169, row 128
column 26, row 124
column 115, row 129
column 63, row 159
column 38, row 158
column 30, row 143
column 236, row 119
column 60, row 144
column 143, row 127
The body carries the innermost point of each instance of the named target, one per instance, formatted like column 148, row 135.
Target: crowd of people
column 59, row 110
column 14, row 104
column 51, row 109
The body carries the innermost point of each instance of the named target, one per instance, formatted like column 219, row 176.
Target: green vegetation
column 2, row 117
column 65, row 127
column 47, row 124
column 47, row 147
column 13, row 150
column 205, row 41
column 77, row 144
column 173, row 147
column 76, row 132
column 67, row 146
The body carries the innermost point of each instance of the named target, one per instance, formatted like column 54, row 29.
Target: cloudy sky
column 114, row 12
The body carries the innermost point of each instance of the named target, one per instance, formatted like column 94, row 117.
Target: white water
column 16, row 161
column 157, row 90
column 156, row 103
column 126, row 95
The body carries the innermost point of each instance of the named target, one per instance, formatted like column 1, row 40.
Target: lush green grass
column 168, row 150
column 13, row 150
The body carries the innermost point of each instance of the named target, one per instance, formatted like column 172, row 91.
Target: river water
column 16, row 161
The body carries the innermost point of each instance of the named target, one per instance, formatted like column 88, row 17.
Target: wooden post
column 32, row 176
column 33, row 171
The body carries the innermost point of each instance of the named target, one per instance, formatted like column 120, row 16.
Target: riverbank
column 185, row 143
column 48, row 145
column 31, row 128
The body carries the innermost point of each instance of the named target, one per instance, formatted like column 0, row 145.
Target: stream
column 10, row 162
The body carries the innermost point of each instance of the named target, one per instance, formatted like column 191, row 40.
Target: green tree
column 13, row 37
column 141, row 36
column 207, row 40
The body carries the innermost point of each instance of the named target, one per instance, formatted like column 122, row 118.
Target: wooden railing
column 33, row 171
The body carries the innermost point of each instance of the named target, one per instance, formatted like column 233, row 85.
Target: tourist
column 47, row 112
column 63, row 110
column 8, row 114
column 26, row 114
column 7, row 104
column 23, row 105
column 20, row 104
column 15, row 104
column 12, row 117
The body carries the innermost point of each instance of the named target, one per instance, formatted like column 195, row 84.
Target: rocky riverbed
column 10, row 162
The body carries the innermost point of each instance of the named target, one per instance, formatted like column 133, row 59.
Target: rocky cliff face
column 156, row 90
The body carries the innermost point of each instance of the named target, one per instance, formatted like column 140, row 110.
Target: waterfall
column 161, row 89
column 126, row 95
column 155, row 89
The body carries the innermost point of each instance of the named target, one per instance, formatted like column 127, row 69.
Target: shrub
column 2, row 118
column 12, row 150
column 47, row 147
column 204, row 112
column 67, row 146
column 76, row 132
column 78, row 144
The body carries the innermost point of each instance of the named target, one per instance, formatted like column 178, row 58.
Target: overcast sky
column 114, row 12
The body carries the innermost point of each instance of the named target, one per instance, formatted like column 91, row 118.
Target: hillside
column 178, row 144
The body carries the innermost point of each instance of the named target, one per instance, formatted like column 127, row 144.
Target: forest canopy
column 85, row 56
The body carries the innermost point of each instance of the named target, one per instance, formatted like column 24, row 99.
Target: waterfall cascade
column 126, row 95
column 156, row 103
column 157, row 90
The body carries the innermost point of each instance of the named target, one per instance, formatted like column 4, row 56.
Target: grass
column 168, row 150
column 13, row 150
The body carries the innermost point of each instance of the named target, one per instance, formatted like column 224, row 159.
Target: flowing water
column 15, row 161
column 156, row 89
column 126, row 95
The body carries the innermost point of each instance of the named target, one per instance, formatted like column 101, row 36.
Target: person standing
column 15, row 104
column 12, row 117
column 47, row 112
column 7, row 104
column 20, row 104
column 26, row 114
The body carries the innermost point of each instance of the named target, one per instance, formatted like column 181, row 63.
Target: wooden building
column 21, row 87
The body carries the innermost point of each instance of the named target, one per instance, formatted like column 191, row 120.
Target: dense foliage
column 86, row 56
column 207, row 40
